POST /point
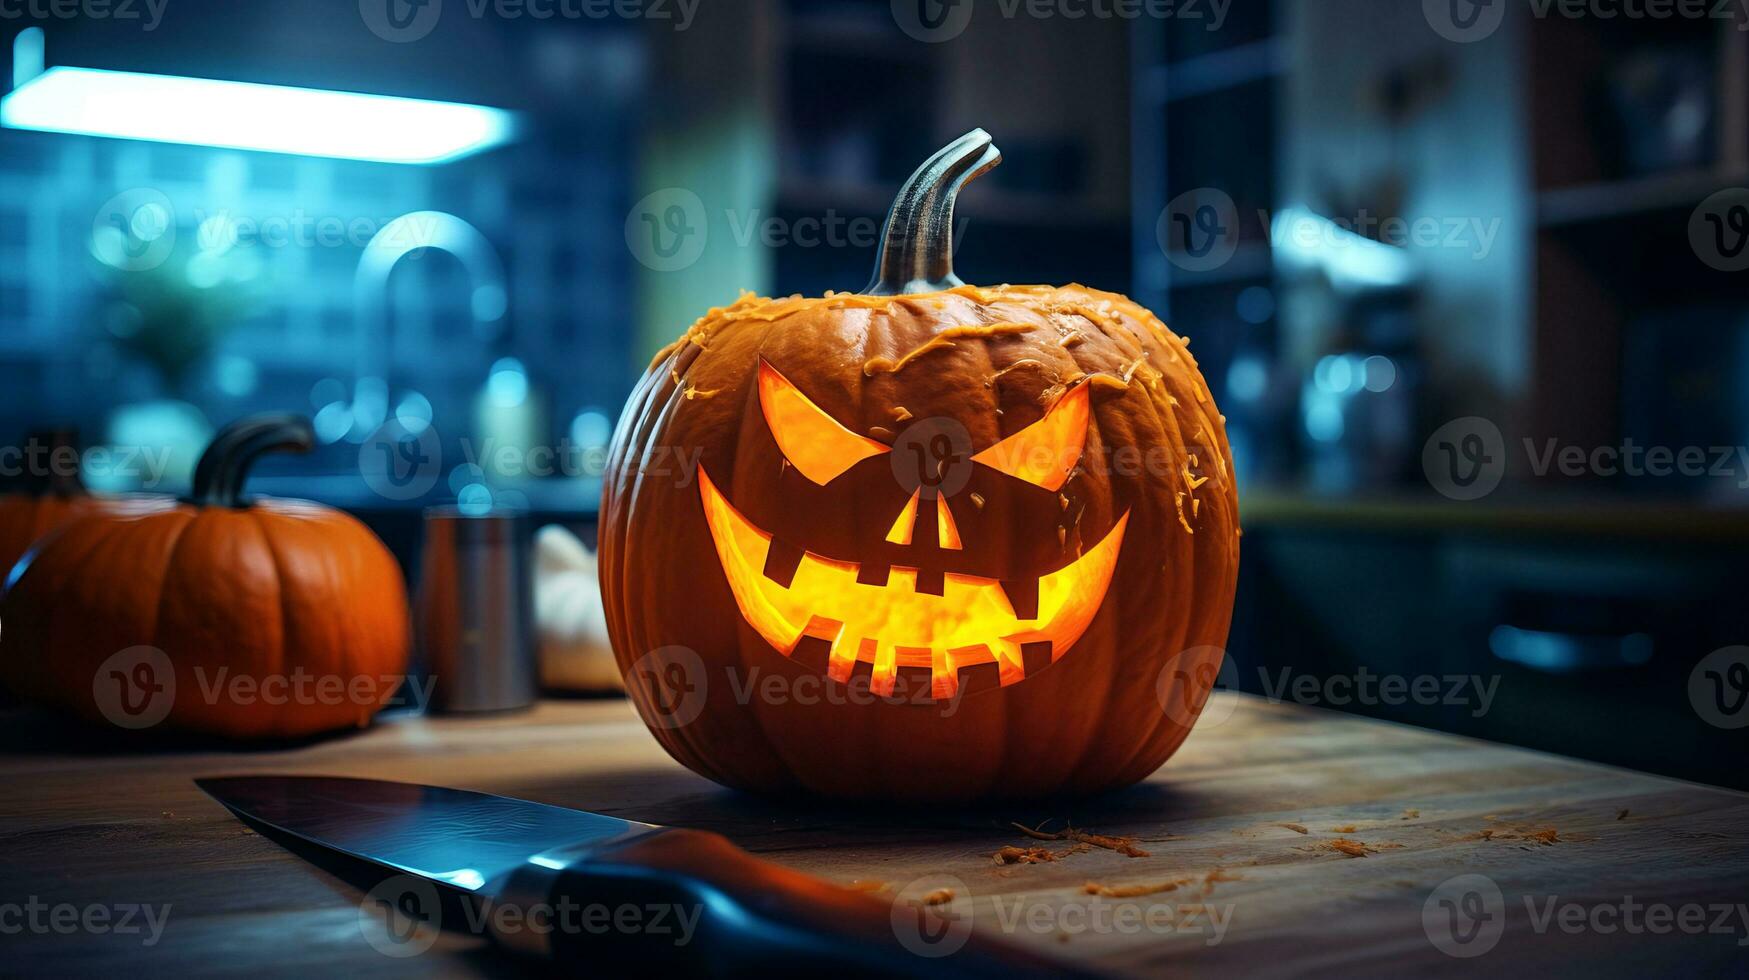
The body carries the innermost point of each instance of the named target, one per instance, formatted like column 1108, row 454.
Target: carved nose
column 947, row 533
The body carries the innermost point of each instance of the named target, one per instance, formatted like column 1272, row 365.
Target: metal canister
column 475, row 610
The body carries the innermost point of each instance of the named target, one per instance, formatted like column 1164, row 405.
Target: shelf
column 1218, row 71
column 1635, row 196
column 1587, row 517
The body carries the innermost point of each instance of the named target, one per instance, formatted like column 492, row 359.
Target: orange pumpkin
column 49, row 493
column 940, row 542
column 218, row 614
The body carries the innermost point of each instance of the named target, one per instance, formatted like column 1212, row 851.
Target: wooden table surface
column 83, row 826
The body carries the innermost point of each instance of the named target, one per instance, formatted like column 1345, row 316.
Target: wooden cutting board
column 1244, row 820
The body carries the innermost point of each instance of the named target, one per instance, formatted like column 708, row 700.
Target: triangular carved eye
column 1044, row 452
column 816, row 444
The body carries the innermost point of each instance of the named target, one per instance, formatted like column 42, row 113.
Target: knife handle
column 748, row 917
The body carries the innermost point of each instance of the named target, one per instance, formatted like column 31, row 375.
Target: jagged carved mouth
column 968, row 638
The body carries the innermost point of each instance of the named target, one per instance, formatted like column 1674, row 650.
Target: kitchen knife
column 498, row 853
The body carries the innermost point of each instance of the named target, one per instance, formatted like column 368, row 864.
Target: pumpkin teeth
column 959, row 634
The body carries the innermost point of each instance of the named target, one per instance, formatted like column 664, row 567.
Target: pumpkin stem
column 916, row 251
column 219, row 476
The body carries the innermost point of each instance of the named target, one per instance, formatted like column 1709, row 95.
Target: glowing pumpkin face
column 931, row 542
column 927, row 610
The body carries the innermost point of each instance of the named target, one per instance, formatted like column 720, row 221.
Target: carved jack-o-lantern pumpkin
column 940, row 542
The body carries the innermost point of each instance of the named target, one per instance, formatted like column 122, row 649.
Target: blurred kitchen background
column 1404, row 238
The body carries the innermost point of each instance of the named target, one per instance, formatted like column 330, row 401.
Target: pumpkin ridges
column 284, row 585
column 1178, row 571
column 1108, row 645
column 124, row 620
column 219, row 619
column 1206, row 614
column 289, row 623
column 681, row 741
column 652, row 521
column 613, row 486
column 25, row 518
column 1209, row 613
column 67, row 609
column 669, row 395
column 365, row 638
column 25, row 672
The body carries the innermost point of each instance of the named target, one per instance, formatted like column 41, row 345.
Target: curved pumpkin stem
column 916, row 251
column 219, row 476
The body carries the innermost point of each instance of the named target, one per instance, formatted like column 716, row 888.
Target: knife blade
column 555, row 882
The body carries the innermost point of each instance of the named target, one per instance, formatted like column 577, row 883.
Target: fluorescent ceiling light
column 249, row 116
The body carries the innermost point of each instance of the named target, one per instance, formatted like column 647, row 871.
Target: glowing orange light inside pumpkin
column 1044, row 452
column 814, row 442
column 947, row 533
column 902, row 528
column 893, row 625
